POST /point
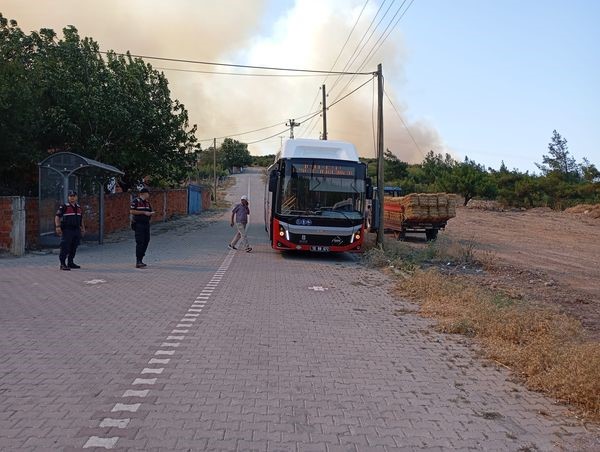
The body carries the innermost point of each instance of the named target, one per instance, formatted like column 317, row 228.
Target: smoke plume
column 308, row 34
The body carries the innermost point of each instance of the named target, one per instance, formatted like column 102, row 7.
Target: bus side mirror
column 368, row 189
column 374, row 216
column 273, row 177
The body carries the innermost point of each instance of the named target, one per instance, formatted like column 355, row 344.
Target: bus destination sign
column 324, row 170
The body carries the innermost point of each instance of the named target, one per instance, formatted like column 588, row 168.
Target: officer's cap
column 72, row 193
column 244, row 197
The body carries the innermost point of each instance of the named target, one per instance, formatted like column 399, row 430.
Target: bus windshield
column 322, row 190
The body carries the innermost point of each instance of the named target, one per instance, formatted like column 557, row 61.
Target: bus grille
column 324, row 240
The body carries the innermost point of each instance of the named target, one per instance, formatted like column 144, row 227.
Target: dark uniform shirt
column 70, row 216
column 141, row 206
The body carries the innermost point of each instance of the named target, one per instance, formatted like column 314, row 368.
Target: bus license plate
column 322, row 249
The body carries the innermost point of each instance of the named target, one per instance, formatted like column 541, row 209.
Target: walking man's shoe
column 64, row 267
column 248, row 249
column 73, row 265
column 231, row 247
column 140, row 265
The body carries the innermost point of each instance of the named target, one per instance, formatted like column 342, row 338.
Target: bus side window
column 273, row 177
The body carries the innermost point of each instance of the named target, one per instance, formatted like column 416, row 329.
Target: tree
column 558, row 160
column 469, row 180
column 393, row 167
column 62, row 95
column 235, row 153
column 435, row 167
column 589, row 171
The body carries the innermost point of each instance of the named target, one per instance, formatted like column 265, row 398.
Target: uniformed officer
column 70, row 228
column 141, row 212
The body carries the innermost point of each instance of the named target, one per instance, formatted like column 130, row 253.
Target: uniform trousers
column 69, row 242
column 142, row 238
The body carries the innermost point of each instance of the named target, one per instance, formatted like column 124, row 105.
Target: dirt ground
column 537, row 255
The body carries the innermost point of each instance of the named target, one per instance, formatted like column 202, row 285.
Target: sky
column 482, row 79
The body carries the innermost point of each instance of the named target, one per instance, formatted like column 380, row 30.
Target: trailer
column 426, row 213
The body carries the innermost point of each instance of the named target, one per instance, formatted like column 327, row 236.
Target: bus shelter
column 66, row 171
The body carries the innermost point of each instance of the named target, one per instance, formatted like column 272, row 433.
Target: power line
column 370, row 53
column 269, row 137
column 269, row 68
column 260, row 129
column 308, row 117
column 403, row 123
column 243, row 74
column 337, row 58
column 373, row 52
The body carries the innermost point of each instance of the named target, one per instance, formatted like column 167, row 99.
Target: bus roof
column 321, row 149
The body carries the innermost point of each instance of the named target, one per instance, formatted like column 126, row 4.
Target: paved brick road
column 209, row 349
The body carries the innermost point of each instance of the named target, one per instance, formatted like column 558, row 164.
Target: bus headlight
column 281, row 231
column 357, row 236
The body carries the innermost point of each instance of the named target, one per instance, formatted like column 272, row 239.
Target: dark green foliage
column 468, row 179
column 263, row 160
column 235, row 154
column 558, row 162
column 62, row 95
column 563, row 183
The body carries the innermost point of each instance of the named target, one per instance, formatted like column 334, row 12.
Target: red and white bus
column 315, row 197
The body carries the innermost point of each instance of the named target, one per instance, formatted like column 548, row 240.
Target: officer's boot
column 64, row 266
column 140, row 264
column 73, row 265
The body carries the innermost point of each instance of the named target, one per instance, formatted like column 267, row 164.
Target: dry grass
column 548, row 349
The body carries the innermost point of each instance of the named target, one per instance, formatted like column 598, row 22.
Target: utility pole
column 291, row 124
column 215, row 167
column 380, row 182
column 324, row 114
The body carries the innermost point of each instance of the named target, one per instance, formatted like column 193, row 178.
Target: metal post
column 380, row 181
column 101, row 214
column 215, row 167
column 324, row 114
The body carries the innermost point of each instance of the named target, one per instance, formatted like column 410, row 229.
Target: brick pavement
column 209, row 349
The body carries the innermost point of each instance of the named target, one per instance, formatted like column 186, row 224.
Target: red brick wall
column 206, row 199
column 116, row 212
column 116, row 208
column 5, row 222
column 32, row 228
column 177, row 202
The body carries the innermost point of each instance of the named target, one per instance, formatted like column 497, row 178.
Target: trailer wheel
column 431, row 234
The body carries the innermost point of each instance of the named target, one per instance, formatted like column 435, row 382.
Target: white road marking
column 149, row 370
column 144, row 381
column 96, row 441
column 318, row 288
column 95, row 281
column 186, row 322
column 159, row 361
column 134, row 393
column 130, row 407
column 118, row 423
